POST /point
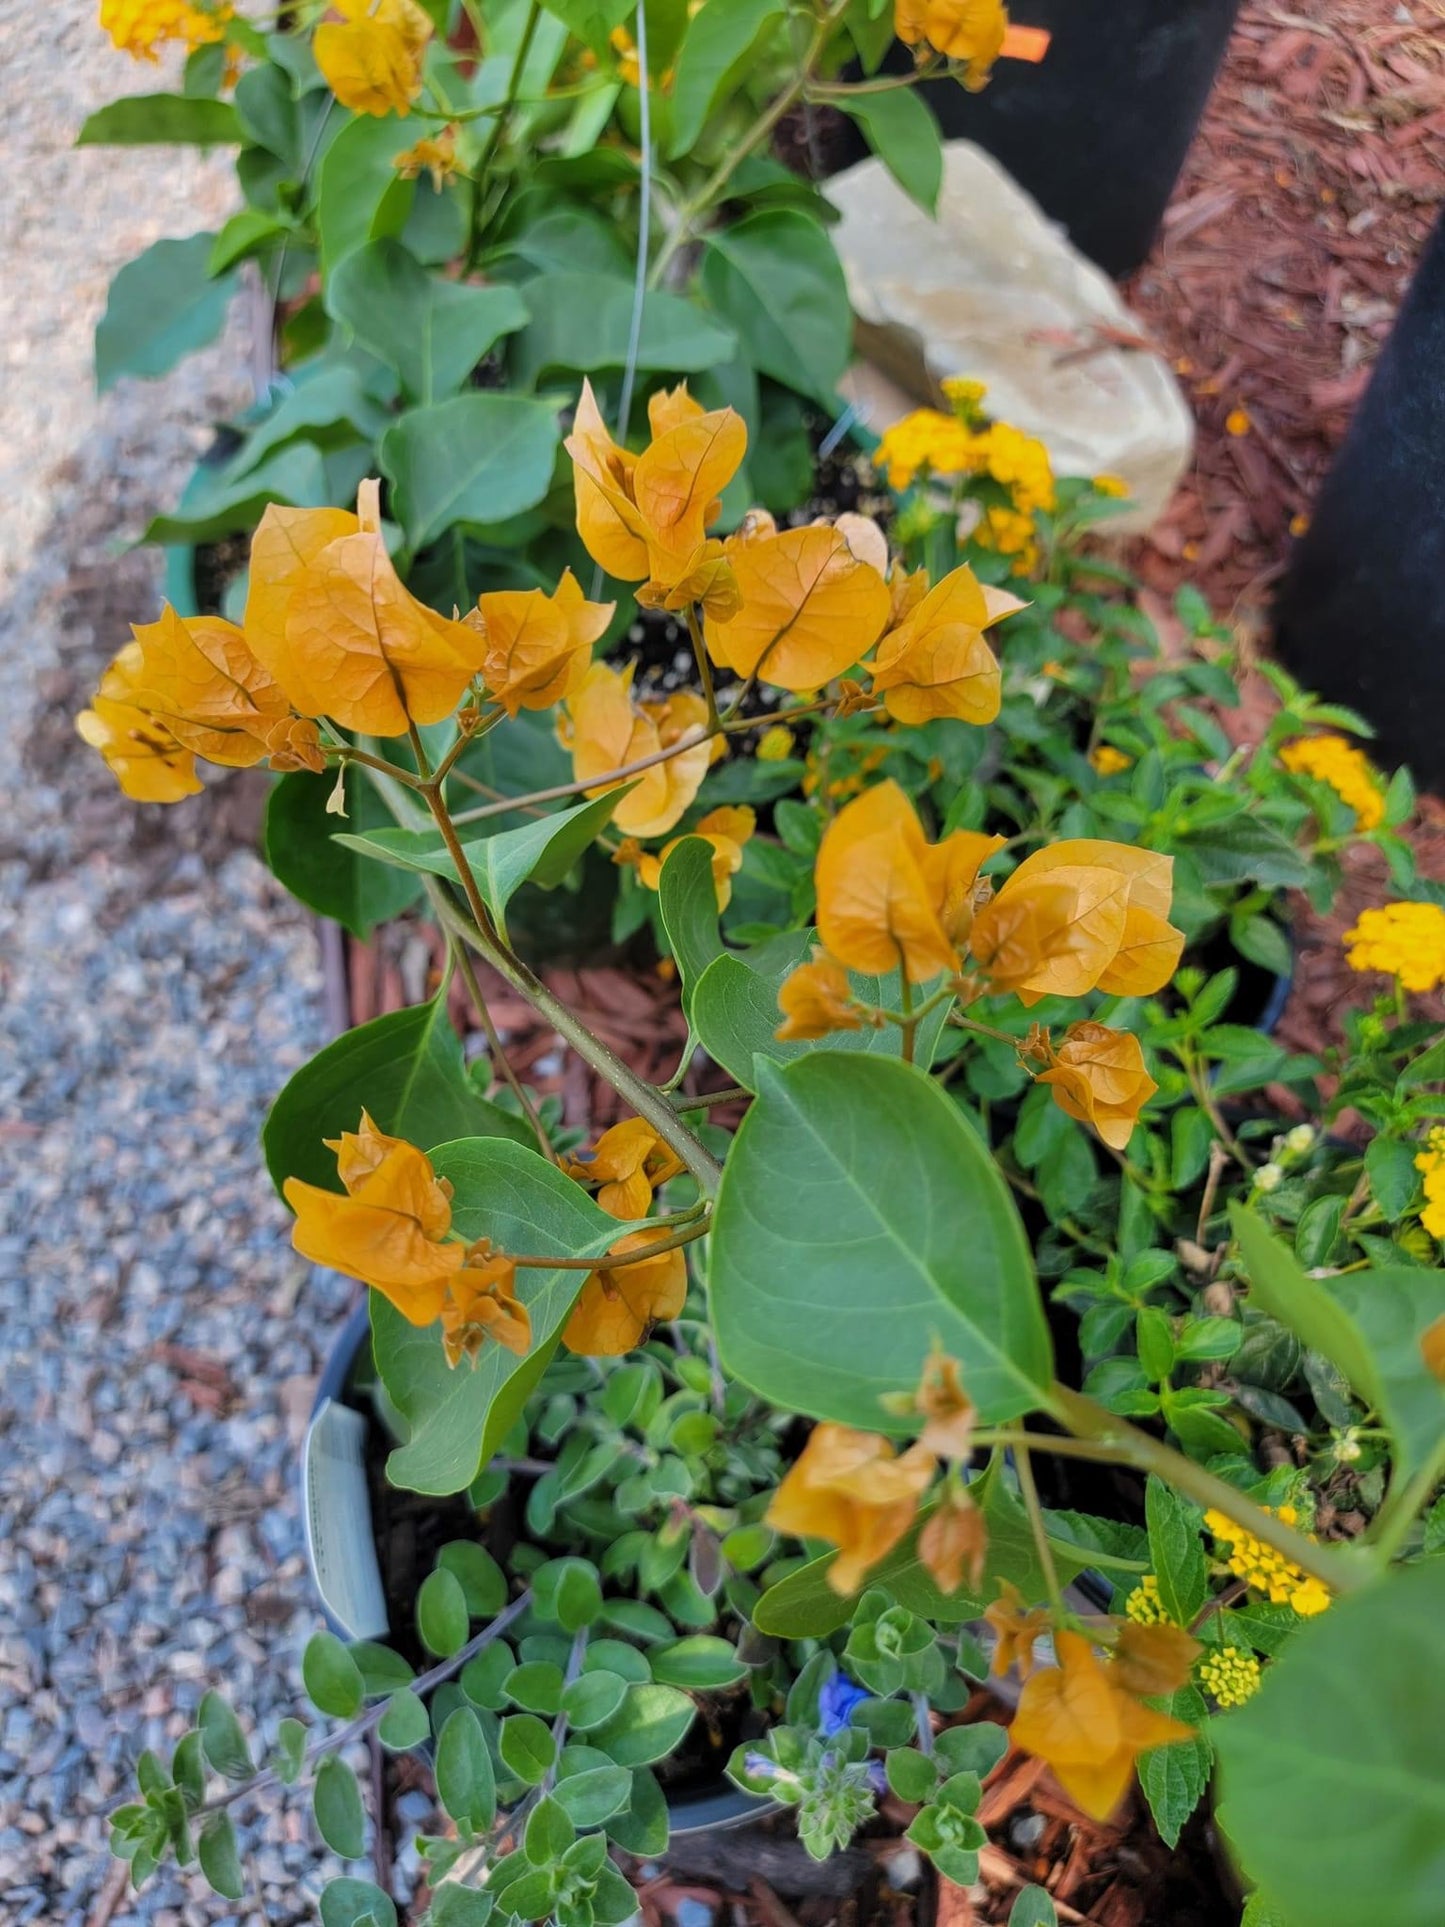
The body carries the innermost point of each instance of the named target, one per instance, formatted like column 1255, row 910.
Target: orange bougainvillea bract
column 1099, row 1077
column 937, row 661
column 538, row 646
column 607, row 729
column 619, row 1305
column 371, row 57
column 808, row 610
column 849, row 1488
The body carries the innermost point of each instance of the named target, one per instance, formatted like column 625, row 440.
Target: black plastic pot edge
column 714, row 1809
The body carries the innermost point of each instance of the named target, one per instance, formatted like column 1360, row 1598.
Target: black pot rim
column 714, row 1808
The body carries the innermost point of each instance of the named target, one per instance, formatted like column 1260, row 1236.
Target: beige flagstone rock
column 994, row 291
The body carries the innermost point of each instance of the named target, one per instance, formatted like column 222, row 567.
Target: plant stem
column 356, row 1729
column 347, row 753
column 605, row 779
column 908, row 1019
column 1024, row 1466
column 704, row 668
column 689, row 1234
column 499, row 128
column 495, row 1050
column 1403, row 1505
column 735, row 1094
column 1340, row 1568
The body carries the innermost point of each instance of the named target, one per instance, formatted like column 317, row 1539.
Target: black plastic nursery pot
column 347, row 1550
column 1360, row 615
column 1097, row 131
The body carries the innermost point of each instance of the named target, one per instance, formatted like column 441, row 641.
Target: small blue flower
column 836, row 1702
column 877, row 1776
column 759, row 1767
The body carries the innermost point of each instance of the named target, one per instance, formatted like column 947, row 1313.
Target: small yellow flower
column 1267, row 1571
column 1230, row 1675
column 1406, row 940
column 968, row 30
column 1431, row 1162
column 1113, row 485
column 775, row 745
column 927, row 441
column 1144, row 1606
column 436, row 156
column 1108, row 761
column 1347, row 770
column 965, row 398
column 1021, row 463
column 1299, row 524
column 1008, row 532
column 138, row 27
column 1237, row 422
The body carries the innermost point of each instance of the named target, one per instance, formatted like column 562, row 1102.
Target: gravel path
column 159, row 1337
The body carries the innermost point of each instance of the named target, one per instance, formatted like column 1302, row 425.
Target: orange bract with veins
column 937, row 662
column 1099, row 1077
column 538, row 647
column 618, row 1307
column 330, row 620
column 887, row 898
column 607, row 729
column 809, row 608
column 371, row 57
column 849, row 1488
column 644, row 518
column 201, row 680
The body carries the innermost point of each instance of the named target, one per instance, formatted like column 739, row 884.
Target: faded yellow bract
column 937, row 661
column 808, row 610
column 968, row 30
column 1099, row 1077
column 329, row 618
column 538, row 646
column 849, row 1488
column 607, row 729
column 618, row 1306
column 371, row 57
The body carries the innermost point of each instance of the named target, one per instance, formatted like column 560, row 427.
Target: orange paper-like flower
column 968, row 30
column 606, row 728
column 887, row 898
column 482, row 1303
column 954, row 1543
column 816, row 1000
column 201, row 680
column 389, row 1230
column 1079, row 1717
column 937, row 662
column 1081, row 915
column 1150, row 1661
column 538, row 647
column 328, row 618
column 630, row 1161
column 850, row 1489
column 371, row 57
column 645, row 517
column 618, row 1306
column 1016, row 1629
column 1098, row 1076
column 809, row 609
column 727, row 829
column 142, row 754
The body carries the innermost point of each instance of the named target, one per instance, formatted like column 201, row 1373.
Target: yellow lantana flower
column 968, row 30
column 925, row 442
column 1144, row 1606
column 1405, row 940
column 1105, row 760
column 1266, row 1570
column 1431, row 1162
column 1009, row 532
column 1230, row 1675
column 1347, row 770
column 139, row 27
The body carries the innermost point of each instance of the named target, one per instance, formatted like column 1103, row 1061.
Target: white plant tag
column 338, row 1522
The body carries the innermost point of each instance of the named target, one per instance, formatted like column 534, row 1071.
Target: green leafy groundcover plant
column 967, row 981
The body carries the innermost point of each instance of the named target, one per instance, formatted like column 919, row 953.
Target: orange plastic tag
column 1025, row 43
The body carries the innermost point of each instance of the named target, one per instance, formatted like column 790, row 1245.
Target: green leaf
column 291, row 1749
column 333, row 409
column 431, row 330
column 441, row 1613
column 536, row 1687
column 406, row 1070
column 359, row 195
column 142, row 120
column 805, row 1605
column 723, row 44
column 466, row 1784
column 1034, row 1907
column 404, row 1724
column 595, row 1793
column 245, row 234
column 1246, row 849
column 1392, row 1307
column 911, row 1774
column 549, row 1834
column 222, row 1739
column 649, row 1724
column 1174, row 1777
column 643, row 1827
column 701, row 1663
column 591, row 20
column 1176, row 1553
column 228, row 501
column 687, row 898
column 220, row 1862
column 161, row 307
column 477, row 458
column 592, row 1700
column 567, row 1591
column 1333, row 1775
column 457, row 1419
column 900, row 128
column 582, row 322
column 526, row 1747
column 356, row 1903
column 331, row 1677
column 735, row 1012
column 543, row 852
column 454, row 1906
column 336, row 1803
column 483, row 1583
column 860, row 1171
column 1279, row 1286
column 776, row 278
column 1394, row 1180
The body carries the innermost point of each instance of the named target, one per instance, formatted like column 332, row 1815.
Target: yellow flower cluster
column 925, row 441
column 1108, row 761
column 965, row 397
column 1020, row 462
column 138, row 27
column 1347, row 770
column 1268, row 1571
column 1431, row 1161
column 1230, row 1675
column 1112, row 485
column 1405, row 940
column 1144, row 1606
column 1009, row 532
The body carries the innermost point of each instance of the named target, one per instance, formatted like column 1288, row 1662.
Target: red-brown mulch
column 1316, row 175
